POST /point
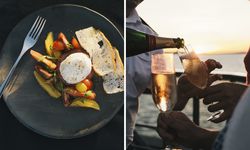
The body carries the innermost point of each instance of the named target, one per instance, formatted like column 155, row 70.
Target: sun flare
column 204, row 49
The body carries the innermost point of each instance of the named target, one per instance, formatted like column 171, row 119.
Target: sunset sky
column 221, row 26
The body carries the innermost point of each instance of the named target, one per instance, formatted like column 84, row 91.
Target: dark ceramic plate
column 29, row 103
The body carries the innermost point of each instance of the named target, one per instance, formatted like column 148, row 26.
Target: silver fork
column 29, row 41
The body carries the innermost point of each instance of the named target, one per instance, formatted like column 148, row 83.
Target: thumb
column 183, row 79
column 212, row 64
column 180, row 104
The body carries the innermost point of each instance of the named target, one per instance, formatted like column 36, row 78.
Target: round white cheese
column 75, row 68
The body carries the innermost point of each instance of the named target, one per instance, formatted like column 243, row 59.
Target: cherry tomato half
column 58, row 45
column 88, row 83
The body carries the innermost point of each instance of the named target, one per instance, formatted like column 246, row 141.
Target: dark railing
column 139, row 144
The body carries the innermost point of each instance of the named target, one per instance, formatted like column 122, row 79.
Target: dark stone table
column 13, row 135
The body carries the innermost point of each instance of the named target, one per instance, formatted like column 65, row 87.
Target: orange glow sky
column 211, row 26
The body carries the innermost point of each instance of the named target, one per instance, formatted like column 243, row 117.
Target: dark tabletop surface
column 13, row 135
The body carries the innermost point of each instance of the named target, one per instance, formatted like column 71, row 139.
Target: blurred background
column 209, row 26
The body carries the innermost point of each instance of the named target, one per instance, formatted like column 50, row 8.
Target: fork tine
column 31, row 29
column 40, row 29
column 36, row 27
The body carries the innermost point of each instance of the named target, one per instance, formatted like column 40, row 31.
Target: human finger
column 183, row 79
column 164, row 119
column 160, row 122
column 164, row 116
column 212, row 98
column 214, row 77
column 212, row 64
column 177, row 120
column 165, row 135
column 222, row 117
column 180, row 104
column 210, row 91
column 216, row 107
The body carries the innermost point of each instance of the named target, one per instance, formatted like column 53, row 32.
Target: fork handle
column 6, row 81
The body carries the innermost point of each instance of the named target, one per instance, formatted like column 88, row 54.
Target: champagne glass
column 163, row 81
column 195, row 69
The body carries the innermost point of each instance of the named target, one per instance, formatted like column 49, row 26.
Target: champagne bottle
column 138, row 42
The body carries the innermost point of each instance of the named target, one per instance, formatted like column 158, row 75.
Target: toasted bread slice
column 114, row 81
column 99, row 49
column 87, row 39
column 104, row 58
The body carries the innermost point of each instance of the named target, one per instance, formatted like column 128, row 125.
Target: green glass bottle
column 138, row 42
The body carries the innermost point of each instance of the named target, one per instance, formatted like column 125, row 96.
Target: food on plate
column 81, row 87
column 85, row 102
column 48, row 87
column 58, row 46
column 67, row 69
column 43, row 72
column 49, row 43
column 41, row 58
column 75, row 43
column 99, row 48
column 75, row 67
column 88, row 83
column 63, row 70
column 113, row 81
column 106, row 59
column 66, row 43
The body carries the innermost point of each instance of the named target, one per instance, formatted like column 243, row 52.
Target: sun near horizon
column 211, row 27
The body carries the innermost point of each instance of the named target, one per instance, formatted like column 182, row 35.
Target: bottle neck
column 151, row 44
column 138, row 42
column 161, row 42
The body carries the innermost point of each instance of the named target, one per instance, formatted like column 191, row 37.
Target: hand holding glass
column 196, row 71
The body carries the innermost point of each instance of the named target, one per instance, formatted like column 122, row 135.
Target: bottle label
column 151, row 42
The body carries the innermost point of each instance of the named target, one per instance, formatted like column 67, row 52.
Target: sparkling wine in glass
column 163, row 81
column 195, row 69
